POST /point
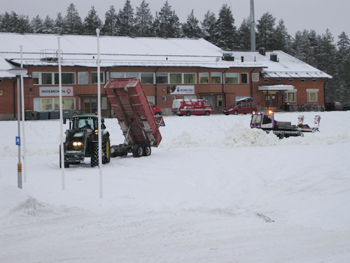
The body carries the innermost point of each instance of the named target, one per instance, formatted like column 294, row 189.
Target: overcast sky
column 297, row 14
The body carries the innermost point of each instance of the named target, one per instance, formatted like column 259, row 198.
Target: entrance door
column 90, row 105
column 271, row 100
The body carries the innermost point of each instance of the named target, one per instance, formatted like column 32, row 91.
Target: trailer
column 282, row 129
column 135, row 117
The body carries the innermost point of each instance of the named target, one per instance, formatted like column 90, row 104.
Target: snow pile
column 214, row 191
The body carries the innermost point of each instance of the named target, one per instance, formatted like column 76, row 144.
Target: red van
column 155, row 109
column 192, row 107
column 241, row 107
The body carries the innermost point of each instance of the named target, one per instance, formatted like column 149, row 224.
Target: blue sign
column 18, row 140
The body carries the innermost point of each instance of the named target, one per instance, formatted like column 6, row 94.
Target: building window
column 46, row 78
column 203, row 78
column 94, row 77
column 132, row 75
column 150, row 99
column 278, row 80
column 312, row 95
column 291, row 80
column 244, row 77
column 175, row 78
column 266, row 80
column 231, row 78
column 147, row 78
column 162, row 78
column 314, row 80
column 291, row 96
column 219, row 100
column 302, row 80
column 163, row 98
column 189, row 78
column 216, row 78
column 53, row 104
column 190, row 97
column 67, row 78
column 255, row 77
column 36, row 78
column 83, row 78
column 116, row 75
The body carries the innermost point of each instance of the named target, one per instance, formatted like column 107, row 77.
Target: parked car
column 192, row 107
column 155, row 109
column 241, row 107
column 346, row 106
column 333, row 106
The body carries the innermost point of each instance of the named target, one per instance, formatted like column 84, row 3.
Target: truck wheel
column 147, row 150
column 207, row 113
column 137, row 151
column 106, row 157
column 188, row 113
column 94, row 155
column 235, row 112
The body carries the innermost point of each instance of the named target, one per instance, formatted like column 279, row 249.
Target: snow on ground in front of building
column 213, row 191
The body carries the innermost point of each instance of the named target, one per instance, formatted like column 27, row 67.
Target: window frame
column 247, row 77
column 203, row 75
column 102, row 77
column 236, row 79
column 213, row 75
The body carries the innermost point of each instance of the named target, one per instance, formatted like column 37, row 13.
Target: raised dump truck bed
column 137, row 122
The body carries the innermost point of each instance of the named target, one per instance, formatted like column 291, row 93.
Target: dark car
column 241, row 107
column 333, row 106
column 346, row 106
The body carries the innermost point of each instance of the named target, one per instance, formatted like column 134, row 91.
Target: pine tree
column 144, row 21
column 167, row 23
column 92, row 22
column 72, row 22
column 244, row 35
column 110, row 27
column 225, row 30
column 282, row 38
column 126, row 20
column 59, row 24
column 13, row 22
column 208, row 27
column 48, row 26
column 24, row 25
column 343, row 66
column 191, row 28
column 266, row 32
column 37, row 25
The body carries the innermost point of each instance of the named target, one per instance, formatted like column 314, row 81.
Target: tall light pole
column 252, row 26
column 18, row 72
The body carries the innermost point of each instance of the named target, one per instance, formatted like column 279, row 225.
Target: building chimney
column 242, row 59
column 252, row 26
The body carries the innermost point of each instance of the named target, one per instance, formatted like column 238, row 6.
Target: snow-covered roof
column 41, row 50
column 276, row 87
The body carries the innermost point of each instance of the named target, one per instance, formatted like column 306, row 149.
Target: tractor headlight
column 96, row 132
column 77, row 144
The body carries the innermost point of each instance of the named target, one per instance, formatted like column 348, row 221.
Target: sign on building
column 55, row 91
column 180, row 90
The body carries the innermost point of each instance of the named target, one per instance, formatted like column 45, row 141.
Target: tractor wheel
column 94, row 155
column 106, row 155
column 147, row 150
column 137, row 150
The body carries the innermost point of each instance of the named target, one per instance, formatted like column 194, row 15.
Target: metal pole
column 99, row 111
column 252, row 26
column 19, row 164
column 23, row 143
column 61, row 113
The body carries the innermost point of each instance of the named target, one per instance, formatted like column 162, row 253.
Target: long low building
column 169, row 69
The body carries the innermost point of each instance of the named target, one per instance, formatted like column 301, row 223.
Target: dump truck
column 135, row 117
column 282, row 129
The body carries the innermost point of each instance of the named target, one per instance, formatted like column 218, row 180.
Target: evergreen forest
column 322, row 51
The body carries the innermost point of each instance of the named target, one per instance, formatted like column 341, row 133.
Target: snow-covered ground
column 213, row 191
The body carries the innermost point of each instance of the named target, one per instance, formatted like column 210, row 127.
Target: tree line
column 320, row 51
